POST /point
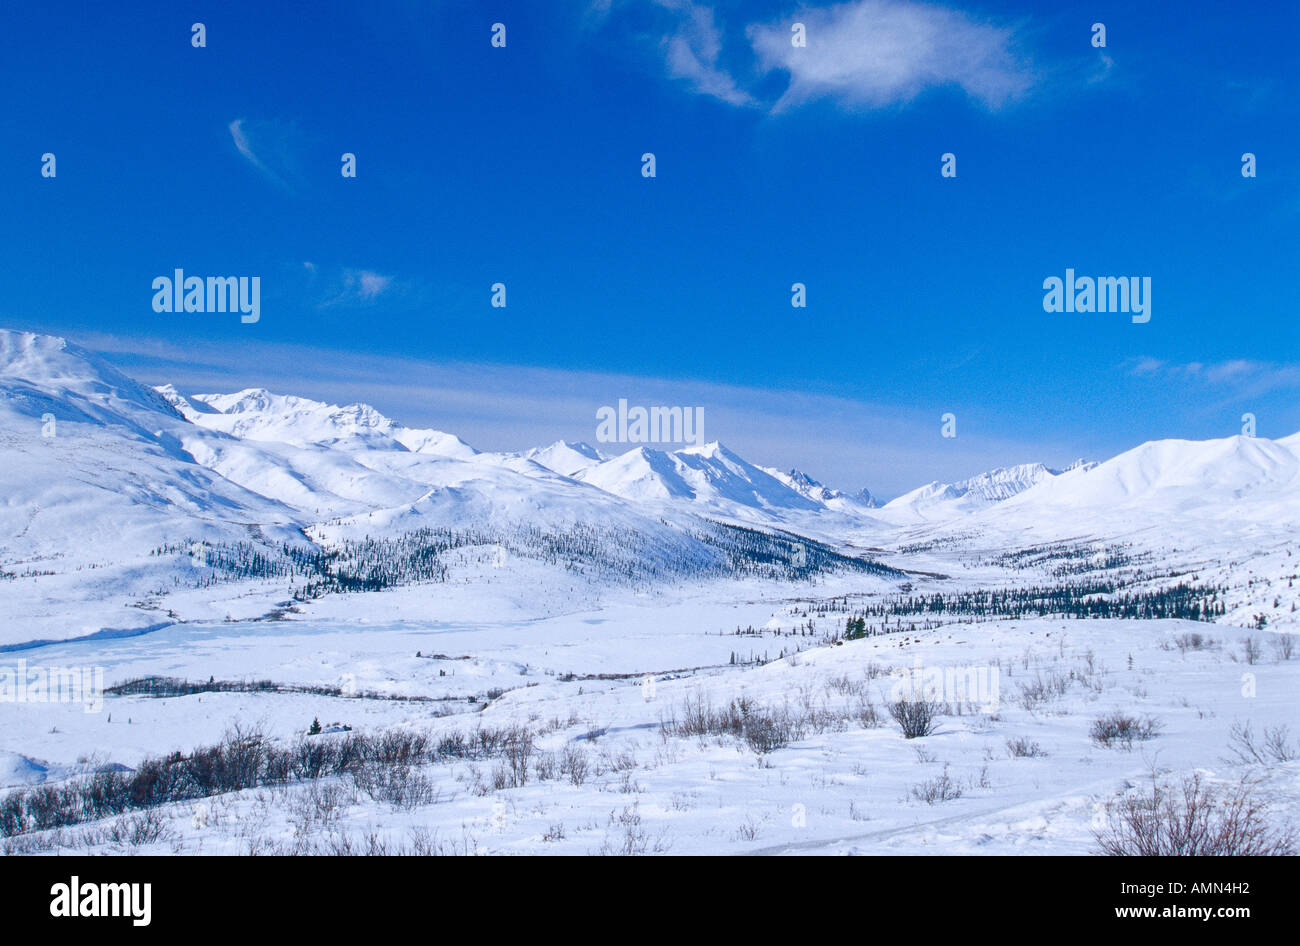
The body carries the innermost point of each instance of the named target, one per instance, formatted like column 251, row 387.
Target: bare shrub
column 1022, row 748
column 939, row 789
column 764, row 730
column 874, row 670
column 866, row 714
column 135, row 830
column 1043, row 690
column 1120, row 729
column 320, row 805
column 633, row 840
column 1251, row 650
column 400, row 747
column 546, row 766
column 1193, row 641
column 621, row 761
column 1274, row 746
column 844, row 685
column 916, row 718
column 1284, row 646
column 573, row 764
column 766, row 734
column 1191, row 819
column 630, row 837
column 517, row 752
column 399, row 785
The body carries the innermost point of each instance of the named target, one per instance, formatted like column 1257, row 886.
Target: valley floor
column 625, row 737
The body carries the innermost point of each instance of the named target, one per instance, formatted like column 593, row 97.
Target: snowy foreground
column 610, row 770
column 284, row 626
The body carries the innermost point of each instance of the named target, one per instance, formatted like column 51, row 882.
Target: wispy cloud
column 263, row 144
column 876, row 53
column 363, row 285
column 692, row 53
column 845, row 442
column 1239, row 377
column 347, row 286
column 861, row 54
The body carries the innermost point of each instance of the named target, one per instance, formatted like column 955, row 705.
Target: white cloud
column 862, row 53
column 876, row 53
column 1240, row 377
column 844, row 442
column 333, row 286
column 364, row 284
column 266, row 146
column 692, row 53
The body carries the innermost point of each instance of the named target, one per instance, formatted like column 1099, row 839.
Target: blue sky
column 775, row 165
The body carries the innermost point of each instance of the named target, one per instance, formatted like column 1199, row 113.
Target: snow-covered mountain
column 90, row 454
column 100, row 475
column 109, row 486
column 93, row 477
column 265, row 457
column 566, row 457
column 942, row 501
column 257, row 414
column 1251, row 479
column 827, row 496
column 708, row 477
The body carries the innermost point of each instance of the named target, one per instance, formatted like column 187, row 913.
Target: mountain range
column 99, row 472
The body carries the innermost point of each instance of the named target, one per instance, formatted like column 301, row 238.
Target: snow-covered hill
column 1218, row 475
column 941, row 501
column 109, row 486
column 257, row 414
column 374, row 576
column 709, row 477
column 805, row 485
column 107, row 481
column 566, row 457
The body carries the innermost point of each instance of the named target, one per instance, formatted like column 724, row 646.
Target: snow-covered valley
column 566, row 650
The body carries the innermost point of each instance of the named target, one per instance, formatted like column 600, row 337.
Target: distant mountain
column 831, row 498
column 566, row 457
column 864, row 498
column 93, row 477
column 1161, row 479
column 708, row 477
column 119, row 498
column 938, row 501
column 257, row 414
column 107, row 484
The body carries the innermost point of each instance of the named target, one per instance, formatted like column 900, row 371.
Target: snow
column 709, row 477
column 565, row 457
column 846, row 789
column 939, row 501
column 575, row 575
column 1207, row 473
column 257, row 414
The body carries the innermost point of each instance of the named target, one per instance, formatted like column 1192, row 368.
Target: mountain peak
column 713, row 448
column 802, row 479
column 565, row 457
column 30, row 362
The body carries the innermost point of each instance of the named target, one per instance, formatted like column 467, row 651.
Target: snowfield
column 323, row 632
column 845, row 782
